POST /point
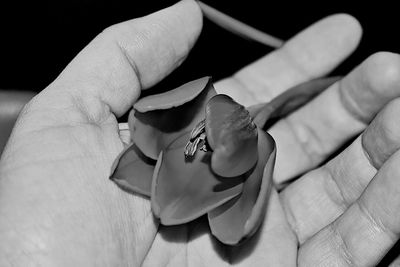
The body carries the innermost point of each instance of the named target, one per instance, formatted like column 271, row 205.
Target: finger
column 319, row 197
column 128, row 57
column 368, row 228
column 312, row 133
column 395, row 262
column 312, row 53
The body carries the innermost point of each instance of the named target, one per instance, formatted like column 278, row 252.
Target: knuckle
column 339, row 245
column 110, row 34
column 376, row 222
column 390, row 113
column 386, row 127
column 119, row 33
column 311, row 143
column 373, row 84
column 381, row 139
column 337, row 194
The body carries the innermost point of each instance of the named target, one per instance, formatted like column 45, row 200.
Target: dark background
column 38, row 39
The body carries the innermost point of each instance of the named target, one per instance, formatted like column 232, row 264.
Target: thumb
column 131, row 56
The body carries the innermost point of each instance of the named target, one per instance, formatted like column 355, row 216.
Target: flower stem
column 239, row 28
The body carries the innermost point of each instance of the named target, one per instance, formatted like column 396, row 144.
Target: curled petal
column 240, row 217
column 184, row 189
column 133, row 171
column 173, row 98
column 232, row 135
column 159, row 119
column 265, row 114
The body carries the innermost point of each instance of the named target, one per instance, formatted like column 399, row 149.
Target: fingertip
column 371, row 85
column 340, row 33
column 191, row 16
column 335, row 25
column 345, row 23
column 132, row 56
column 323, row 45
column 382, row 70
column 159, row 42
column 196, row 9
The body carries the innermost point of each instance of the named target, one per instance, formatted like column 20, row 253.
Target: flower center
column 198, row 139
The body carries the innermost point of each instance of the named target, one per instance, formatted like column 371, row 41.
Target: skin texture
column 58, row 208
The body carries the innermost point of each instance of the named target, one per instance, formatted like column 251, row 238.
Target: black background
column 38, row 39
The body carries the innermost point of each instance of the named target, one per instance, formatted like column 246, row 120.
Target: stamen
column 197, row 136
column 198, row 129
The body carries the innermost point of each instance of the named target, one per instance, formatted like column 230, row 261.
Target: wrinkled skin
column 58, row 207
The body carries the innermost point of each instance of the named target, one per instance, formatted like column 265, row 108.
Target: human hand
column 57, row 206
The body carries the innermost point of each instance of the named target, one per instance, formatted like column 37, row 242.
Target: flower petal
column 184, row 189
column 240, row 217
column 155, row 129
column 133, row 171
column 173, row 98
column 266, row 114
column 232, row 135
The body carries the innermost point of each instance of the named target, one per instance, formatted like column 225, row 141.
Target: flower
column 196, row 152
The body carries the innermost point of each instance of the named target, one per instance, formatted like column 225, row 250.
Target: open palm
column 58, row 207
